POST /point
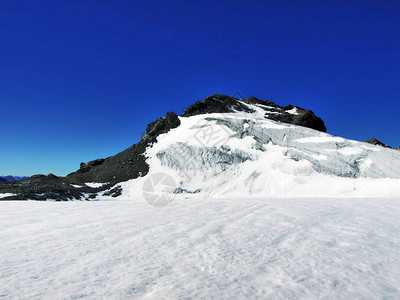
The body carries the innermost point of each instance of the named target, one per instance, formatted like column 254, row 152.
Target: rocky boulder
column 160, row 126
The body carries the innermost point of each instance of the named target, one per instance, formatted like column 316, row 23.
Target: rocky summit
column 288, row 114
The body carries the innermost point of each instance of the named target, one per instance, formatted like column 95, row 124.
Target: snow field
column 201, row 248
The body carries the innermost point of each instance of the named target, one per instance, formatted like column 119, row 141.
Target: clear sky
column 80, row 80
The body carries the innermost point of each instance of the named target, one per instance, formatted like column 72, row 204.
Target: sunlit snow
column 246, row 155
column 94, row 184
column 201, row 248
column 4, row 195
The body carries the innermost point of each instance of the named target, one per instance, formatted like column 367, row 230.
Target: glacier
column 244, row 154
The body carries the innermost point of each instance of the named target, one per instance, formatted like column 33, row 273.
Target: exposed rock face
column 123, row 166
column 131, row 163
column 41, row 187
column 160, row 126
column 374, row 141
column 287, row 114
column 304, row 118
column 215, row 104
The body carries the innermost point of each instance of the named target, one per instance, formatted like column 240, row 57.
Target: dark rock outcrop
column 374, row 141
column 42, row 187
column 216, row 104
column 304, row 118
column 160, row 126
column 225, row 104
column 128, row 164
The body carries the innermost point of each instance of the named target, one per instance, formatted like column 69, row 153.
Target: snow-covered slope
column 243, row 154
column 201, row 249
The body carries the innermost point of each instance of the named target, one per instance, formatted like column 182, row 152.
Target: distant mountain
column 2, row 180
column 223, row 146
column 374, row 141
column 14, row 178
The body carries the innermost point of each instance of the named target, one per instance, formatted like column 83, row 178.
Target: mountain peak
column 290, row 114
column 225, row 145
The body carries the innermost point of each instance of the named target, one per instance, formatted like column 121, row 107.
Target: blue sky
column 80, row 80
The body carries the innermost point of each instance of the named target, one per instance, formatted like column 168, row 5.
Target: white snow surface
column 246, row 155
column 201, row 248
column 94, row 184
column 76, row 185
column 293, row 111
column 3, row 195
